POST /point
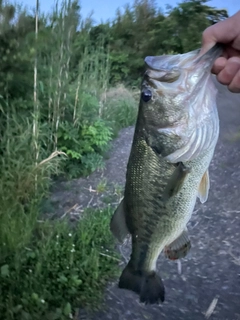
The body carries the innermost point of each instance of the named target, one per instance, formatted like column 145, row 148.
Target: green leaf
column 76, row 280
column 41, row 86
column 62, row 279
column 35, row 296
column 67, row 309
column 5, row 270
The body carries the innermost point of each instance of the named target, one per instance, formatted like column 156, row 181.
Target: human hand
column 226, row 67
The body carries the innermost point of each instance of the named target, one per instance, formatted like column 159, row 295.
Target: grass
column 61, row 269
column 102, row 186
column 120, row 107
column 23, row 183
column 48, row 269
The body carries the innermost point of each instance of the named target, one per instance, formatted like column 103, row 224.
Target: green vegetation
column 143, row 29
column 66, row 88
column 60, row 269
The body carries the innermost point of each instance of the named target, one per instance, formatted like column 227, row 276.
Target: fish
column 176, row 132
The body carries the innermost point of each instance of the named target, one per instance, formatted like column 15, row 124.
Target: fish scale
column 173, row 217
column 174, row 141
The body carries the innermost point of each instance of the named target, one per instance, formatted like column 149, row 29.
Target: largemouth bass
column 175, row 136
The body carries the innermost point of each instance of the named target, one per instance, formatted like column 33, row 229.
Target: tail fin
column 147, row 284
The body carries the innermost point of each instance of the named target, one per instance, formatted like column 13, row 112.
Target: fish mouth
column 168, row 68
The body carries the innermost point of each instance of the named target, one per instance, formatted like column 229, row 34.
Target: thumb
column 209, row 38
column 224, row 31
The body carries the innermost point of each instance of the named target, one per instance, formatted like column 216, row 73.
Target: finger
column 223, row 31
column 219, row 65
column 229, row 51
column 235, row 83
column 208, row 41
column 231, row 68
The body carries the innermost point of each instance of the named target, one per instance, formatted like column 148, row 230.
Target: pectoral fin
column 176, row 181
column 118, row 225
column 203, row 188
column 179, row 248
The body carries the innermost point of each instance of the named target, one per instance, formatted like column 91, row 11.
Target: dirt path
column 211, row 272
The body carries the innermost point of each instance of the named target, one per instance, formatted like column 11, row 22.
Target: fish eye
column 146, row 95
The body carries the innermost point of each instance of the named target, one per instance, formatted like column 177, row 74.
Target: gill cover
column 189, row 76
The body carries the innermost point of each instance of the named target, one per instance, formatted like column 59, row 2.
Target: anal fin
column 179, row 248
column 118, row 225
column 203, row 188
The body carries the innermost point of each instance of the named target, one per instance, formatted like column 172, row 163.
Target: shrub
column 84, row 145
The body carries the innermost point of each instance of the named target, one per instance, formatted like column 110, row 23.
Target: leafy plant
column 84, row 145
column 61, row 269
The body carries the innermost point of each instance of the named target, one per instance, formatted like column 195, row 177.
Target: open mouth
column 168, row 68
column 163, row 75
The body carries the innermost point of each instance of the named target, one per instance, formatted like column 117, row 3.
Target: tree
column 142, row 29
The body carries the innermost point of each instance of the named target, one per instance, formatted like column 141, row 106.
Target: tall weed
column 120, row 107
column 23, row 183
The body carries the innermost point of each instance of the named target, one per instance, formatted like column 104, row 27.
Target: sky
column 105, row 9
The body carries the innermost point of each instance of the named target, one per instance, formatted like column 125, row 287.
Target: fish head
column 178, row 96
column 171, row 82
